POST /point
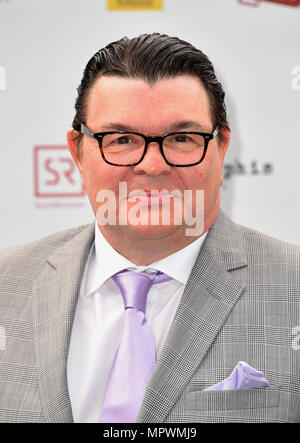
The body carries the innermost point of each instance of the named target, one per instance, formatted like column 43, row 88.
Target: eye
column 123, row 140
column 181, row 138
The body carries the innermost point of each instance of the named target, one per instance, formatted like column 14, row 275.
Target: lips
column 149, row 195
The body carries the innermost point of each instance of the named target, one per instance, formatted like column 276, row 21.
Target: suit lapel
column 210, row 294
column 55, row 298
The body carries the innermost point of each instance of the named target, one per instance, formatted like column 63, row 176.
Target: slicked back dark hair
column 151, row 57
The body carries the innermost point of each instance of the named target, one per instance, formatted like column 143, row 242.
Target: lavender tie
column 135, row 358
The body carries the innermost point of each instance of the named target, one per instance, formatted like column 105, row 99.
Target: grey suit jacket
column 241, row 302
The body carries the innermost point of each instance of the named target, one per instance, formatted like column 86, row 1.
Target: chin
column 152, row 231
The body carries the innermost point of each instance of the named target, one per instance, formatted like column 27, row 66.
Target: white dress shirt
column 98, row 321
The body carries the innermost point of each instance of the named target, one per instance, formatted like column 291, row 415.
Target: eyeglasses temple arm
column 86, row 131
column 216, row 131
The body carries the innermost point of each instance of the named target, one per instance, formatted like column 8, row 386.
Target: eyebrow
column 176, row 126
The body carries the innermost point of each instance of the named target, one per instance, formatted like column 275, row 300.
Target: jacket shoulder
column 23, row 259
column 237, row 243
column 258, row 242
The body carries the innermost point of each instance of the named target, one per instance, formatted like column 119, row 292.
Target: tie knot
column 134, row 287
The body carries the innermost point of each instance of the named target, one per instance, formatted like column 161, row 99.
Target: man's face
column 136, row 106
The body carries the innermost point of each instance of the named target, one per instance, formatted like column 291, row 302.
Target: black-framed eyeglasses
column 179, row 149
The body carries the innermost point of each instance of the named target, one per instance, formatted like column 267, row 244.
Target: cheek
column 213, row 170
column 91, row 175
column 98, row 176
column 197, row 177
column 205, row 176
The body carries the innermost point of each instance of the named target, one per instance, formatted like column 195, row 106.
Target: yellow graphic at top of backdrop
column 124, row 5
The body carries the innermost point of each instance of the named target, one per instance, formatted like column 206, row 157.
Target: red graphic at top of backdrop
column 281, row 2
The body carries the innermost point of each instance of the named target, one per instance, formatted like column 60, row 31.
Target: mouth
column 150, row 195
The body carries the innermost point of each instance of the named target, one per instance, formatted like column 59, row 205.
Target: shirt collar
column 105, row 261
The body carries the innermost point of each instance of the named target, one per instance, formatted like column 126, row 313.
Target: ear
column 72, row 146
column 223, row 146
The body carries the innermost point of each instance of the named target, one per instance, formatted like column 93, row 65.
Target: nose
column 153, row 162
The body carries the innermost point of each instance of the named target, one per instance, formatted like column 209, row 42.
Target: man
column 150, row 115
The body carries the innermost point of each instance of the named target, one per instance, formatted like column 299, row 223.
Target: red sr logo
column 55, row 174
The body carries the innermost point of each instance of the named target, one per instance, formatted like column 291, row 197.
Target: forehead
column 147, row 107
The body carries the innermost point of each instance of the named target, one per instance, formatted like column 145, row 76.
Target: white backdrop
column 44, row 47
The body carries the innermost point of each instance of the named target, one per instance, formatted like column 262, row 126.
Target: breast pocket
column 242, row 405
column 257, row 398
